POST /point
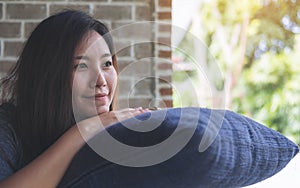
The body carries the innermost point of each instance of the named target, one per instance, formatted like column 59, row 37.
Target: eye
column 107, row 64
column 80, row 66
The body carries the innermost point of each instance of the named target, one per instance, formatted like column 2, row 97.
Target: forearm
column 48, row 169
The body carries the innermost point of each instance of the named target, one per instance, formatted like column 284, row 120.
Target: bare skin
column 57, row 157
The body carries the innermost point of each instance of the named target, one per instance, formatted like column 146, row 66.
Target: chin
column 89, row 112
column 102, row 109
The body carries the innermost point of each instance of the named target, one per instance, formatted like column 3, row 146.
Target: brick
column 165, row 3
column 25, row 11
column 165, row 79
column 143, row 13
column 163, row 82
column 164, row 40
column 165, row 28
column 5, row 66
column 57, row 8
column 122, row 64
column 164, row 16
column 165, row 66
column 144, row 87
column 10, row 30
column 143, row 50
column 114, row 12
column 123, row 49
column 165, row 91
column 117, row 24
column 125, row 87
column 165, row 54
column 137, row 69
column 136, row 102
column 29, row 27
column 165, row 104
column 122, row 103
column 125, row 52
column 134, row 32
column 12, row 49
column 132, row 102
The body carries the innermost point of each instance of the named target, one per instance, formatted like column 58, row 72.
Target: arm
column 47, row 169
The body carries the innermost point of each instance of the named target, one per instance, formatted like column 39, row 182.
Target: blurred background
column 256, row 45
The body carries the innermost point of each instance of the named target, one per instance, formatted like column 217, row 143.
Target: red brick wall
column 147, row 83
column 164, row 52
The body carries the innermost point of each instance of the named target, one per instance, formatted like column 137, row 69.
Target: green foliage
column 268, row 86
column 184, row 93
column 272, row 93
column 272, row 28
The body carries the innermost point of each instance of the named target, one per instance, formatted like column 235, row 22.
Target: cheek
column 112, row 80
column 78, row 85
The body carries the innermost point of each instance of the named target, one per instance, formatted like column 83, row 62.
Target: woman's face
column 94, row 77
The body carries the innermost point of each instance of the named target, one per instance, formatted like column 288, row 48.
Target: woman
column 67, row 71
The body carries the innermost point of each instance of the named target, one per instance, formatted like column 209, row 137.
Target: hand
column 91, row 126
column 109, row 118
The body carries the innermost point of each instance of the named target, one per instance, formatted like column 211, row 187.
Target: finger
column 126, row 110
column 128, row 113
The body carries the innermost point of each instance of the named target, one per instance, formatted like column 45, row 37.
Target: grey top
column 9, row 147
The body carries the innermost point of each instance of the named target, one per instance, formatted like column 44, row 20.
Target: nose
column 100, row 79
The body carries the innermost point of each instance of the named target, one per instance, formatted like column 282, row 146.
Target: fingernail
column 153, row 108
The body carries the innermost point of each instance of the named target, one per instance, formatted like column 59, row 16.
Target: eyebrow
column 82, row 57
column 106, row 55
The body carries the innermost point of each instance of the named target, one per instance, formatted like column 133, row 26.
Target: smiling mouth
column 97, row 97
column 100, row 97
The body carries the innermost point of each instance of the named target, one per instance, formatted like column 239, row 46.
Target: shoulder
column 9, row 147
column 7, row 111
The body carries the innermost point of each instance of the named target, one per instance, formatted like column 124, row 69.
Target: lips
column 96, row 96
column 100, row 96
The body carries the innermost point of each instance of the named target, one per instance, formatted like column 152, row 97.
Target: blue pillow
column 181, row 147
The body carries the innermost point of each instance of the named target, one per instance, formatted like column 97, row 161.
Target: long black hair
column 39, row 84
